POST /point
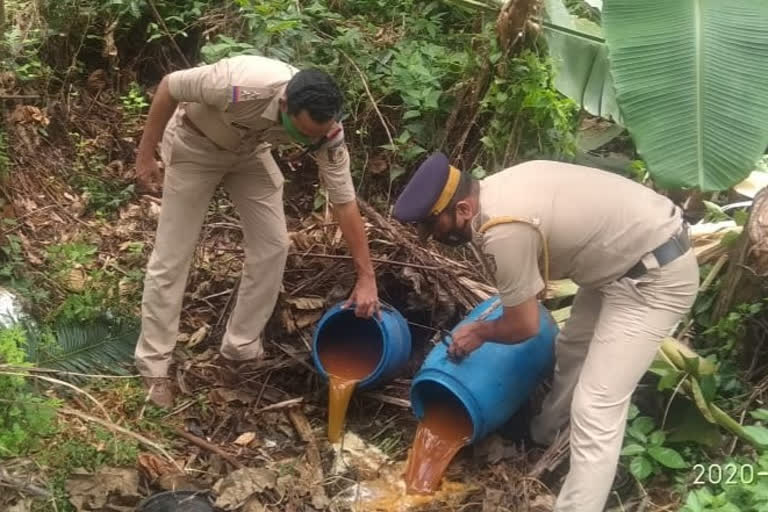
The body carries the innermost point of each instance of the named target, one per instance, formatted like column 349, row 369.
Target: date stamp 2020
column 726, row 474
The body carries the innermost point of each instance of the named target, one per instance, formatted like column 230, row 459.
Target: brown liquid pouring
column 442, row 432
column 347, row 361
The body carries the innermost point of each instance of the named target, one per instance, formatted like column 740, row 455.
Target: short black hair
column 316, row 92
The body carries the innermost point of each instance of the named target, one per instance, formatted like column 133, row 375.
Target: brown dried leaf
column 226, row 395
column 307, row 319
column 76, row 280
column 108, row 486
column 21, row 506
column 178, row 482
column 254, row 505
column 25, row 114
column 306, row 302
column 378, row 165
column 234, row 489
column 245, row 439
column 198, row 336
column 153, row 466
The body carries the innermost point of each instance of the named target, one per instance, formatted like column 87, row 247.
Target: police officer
column 216, row 124
column 625, row 246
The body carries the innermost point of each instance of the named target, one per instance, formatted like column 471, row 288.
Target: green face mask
column 293, row 131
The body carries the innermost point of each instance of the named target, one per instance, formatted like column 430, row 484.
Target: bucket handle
column 383, row 304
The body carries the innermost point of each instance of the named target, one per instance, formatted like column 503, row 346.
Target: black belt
column 665, row 253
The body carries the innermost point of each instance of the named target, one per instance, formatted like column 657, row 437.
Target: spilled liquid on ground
column 347, row 361
column 442, row 432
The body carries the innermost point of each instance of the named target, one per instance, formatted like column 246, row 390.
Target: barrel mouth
column 434, row 385
column 343, row 324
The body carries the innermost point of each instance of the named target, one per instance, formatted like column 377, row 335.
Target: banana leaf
column 692, row 82
column 580, row 61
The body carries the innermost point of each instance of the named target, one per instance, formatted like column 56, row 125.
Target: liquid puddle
column 347, row 361
column 444, row 430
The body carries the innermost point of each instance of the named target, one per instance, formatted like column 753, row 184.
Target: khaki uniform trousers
column 194, row 167
column 603, row 350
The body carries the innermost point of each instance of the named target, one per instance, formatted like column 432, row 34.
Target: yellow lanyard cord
column 509, row 220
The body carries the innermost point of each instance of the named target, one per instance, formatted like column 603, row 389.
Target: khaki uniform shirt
column 597, row 225
column 235, row 103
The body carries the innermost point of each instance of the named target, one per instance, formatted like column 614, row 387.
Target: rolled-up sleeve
column 209, row 84
column 514, row 249
column 333, row 164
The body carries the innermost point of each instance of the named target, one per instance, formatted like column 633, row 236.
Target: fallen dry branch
column 205, row 445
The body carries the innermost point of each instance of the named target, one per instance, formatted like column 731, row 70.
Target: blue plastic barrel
column 389, row 335
column 493, row 381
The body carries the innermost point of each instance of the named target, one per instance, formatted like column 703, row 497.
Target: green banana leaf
column 691, row 77
column 580, row 61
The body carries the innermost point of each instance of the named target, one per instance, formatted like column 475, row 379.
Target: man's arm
column 365, row 294
column 516, row 324
column 207, row 84
column 147, row 169
column 515, row 249
column 334, row 167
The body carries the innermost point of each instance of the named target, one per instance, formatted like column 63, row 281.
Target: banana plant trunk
column 748, row 261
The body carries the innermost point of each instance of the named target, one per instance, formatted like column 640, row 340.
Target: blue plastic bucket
column 494, row 380
column 390, row 336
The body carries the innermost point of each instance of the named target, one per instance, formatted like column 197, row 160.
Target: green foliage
column 21, row 43
column 82, row 17
column 414, row 71
column 733, row 485
column 670, row 72
column 96, row 347
column 15, row 273
column 674, row 101
column 525, row 91
column 25, row 417
column 645, row 449
column 5, row 161
column 134, row 102
column 100, row 447
column 104, row 193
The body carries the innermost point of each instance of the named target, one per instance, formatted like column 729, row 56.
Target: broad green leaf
column 657, row 438
column 632, row 431
column 670, row 380
column 692, row 84
column 686, row 424
column 667, row 457
column 633, row 412
column 759, row 414
column 632, row 449
column 758, row 434
column 640, row 467
column 580, row 61
column 644, row 424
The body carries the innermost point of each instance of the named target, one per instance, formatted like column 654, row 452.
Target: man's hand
column 365, row 297
column 148, row 175
column 466, row 339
